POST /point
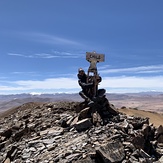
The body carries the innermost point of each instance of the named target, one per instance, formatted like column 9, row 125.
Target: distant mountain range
column 14, row 100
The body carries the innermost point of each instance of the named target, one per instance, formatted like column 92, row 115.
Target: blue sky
column 43, row 43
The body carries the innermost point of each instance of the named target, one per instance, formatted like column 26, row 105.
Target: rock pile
column 70, row 132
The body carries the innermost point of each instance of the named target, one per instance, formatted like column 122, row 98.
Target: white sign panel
column 93, row 56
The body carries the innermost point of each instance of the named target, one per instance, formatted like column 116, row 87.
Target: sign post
column 94, row 58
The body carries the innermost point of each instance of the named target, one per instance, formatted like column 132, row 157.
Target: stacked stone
column 54, row 132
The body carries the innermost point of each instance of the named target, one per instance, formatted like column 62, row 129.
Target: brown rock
column 139, row 141
column 75, row 120
column 7, row 133
column 18, row 135
column 7, row 160
column 160, row 139
column 112, row 109
column 159, row 130
column 84, row 113
column 159, row 134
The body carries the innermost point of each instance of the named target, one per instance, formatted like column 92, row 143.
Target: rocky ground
column 72, row 132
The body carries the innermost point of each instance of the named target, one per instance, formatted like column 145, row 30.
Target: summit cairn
column 98, row 112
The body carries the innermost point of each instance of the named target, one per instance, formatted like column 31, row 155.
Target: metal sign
column 93, row 56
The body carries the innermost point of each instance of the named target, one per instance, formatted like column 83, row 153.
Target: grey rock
column 51, row 147
column 112, row 152
column 26, row 154
column 73, row 156
column 144, row 154
column 34, row 134
column 86, row 160
column 161, row 159
column 55, row 131
column 83, row 125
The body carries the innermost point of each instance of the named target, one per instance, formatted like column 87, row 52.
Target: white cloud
column 118, row 84
column 133, row 82
column 52, row 83
column 141, row 69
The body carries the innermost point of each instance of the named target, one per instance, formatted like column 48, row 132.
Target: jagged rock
column 86, row 160
column 160, row 139
column 159, row 134
column 56, row 132
column 112, row 110
column 52, row 131
column 74, row 121
column 68, row 122
column 6, row 133
column 159, row 130
column 132, row 159
column 80, row 106
column 144, row 154
column 51, row 147
column 85, row 113
column 73, row 156
column 96, row 118
column 139, row 141
column 161, row 159
column 18, row 135
column 159, row 149
column 4, row 143
column 129, row 146
column 83, row 124
column 112, row 152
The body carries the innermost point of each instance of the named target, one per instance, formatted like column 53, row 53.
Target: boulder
column 83, row 125
column 85, row 113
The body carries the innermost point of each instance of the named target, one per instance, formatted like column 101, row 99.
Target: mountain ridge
column 143, row 101
column 64, row 132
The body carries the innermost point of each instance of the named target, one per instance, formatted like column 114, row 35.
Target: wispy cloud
column 50, row 39
column 20, row 55
column 53, row 54
column 63, row 54
column 23, row 72
column 140, row 69
column 56, row 40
